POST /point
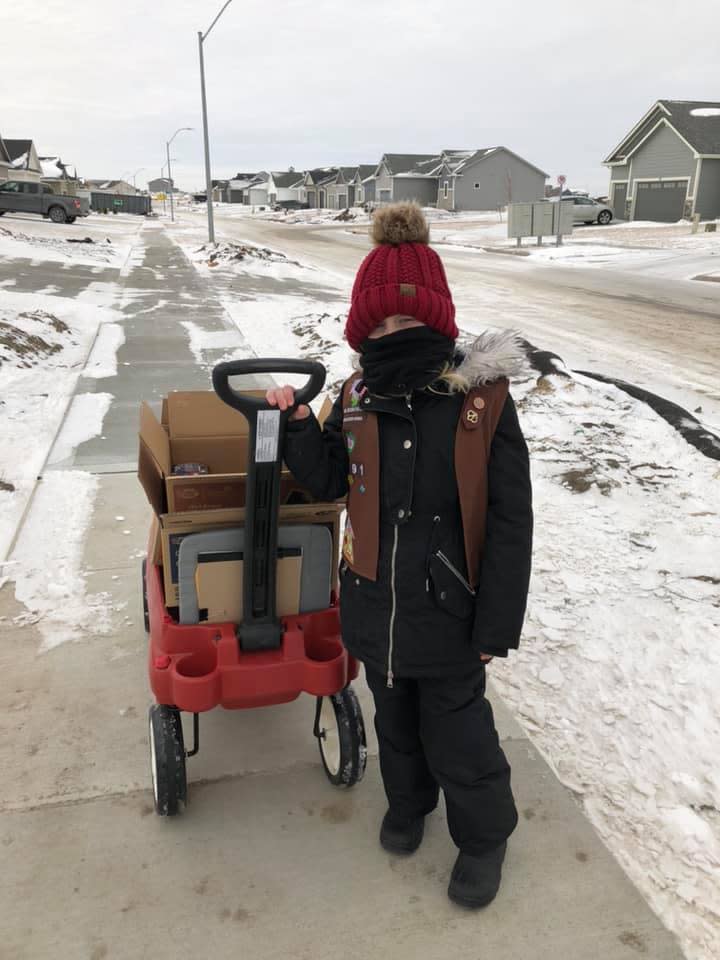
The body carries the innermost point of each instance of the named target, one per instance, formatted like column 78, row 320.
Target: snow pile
column 228, row 252
column 46, row 563
column 705, row 112
column 44, row 342
column 616, row 678
column 15, row 244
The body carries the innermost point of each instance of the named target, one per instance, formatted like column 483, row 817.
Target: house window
column 445, row 189
column 476, row 186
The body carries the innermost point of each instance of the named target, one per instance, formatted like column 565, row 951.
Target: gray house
column 668, row 165
column 161, row 185
column 313, row 189
column 406, row 176
column 486, row 179
column 341, row 191
column 364, row 184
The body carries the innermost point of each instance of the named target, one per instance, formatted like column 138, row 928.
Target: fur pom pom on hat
column 400, row 223
column 401, row 275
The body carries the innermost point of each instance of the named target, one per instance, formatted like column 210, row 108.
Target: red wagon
column 265, row 659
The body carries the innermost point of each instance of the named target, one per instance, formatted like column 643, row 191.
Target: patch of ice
column 84, row 421
column 102, row 361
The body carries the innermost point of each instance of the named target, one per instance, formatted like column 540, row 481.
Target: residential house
column 364, row 184
column 283, row 188
column 340, row 192
column 119, row 188
column 486, row 179
column 668, row 166
column 57, row 176
column 312, row 192
column 256, row 193
column 5, row 161
column 24, row 159
column 220, row 191
column 399, row 176
column 238, row 185
column 161, row 185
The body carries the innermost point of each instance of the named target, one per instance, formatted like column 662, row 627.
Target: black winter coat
column 438, row 627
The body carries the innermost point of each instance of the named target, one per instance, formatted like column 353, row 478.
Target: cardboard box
column 219, row 586
column 198, row 427
column 174, row 528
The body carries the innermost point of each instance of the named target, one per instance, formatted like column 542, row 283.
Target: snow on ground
column 616, row 678
column 44, row 342
column 40, row 240
column 622, row 245
column 46, row 562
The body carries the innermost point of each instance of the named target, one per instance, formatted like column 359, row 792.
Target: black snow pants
column 440, row 733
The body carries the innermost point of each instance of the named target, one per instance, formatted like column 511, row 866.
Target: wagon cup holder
column 196, row 666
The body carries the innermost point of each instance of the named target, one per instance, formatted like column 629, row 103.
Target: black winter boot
column 401, row 836
column 476, row 880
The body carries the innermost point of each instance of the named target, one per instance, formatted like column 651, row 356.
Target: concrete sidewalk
column 269, row 861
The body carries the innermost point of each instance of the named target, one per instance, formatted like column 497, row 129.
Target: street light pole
column 139, row 170
column 208, row 175
column 170, row 183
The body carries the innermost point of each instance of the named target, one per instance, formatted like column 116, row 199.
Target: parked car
column 21, row 196
column 590, row 211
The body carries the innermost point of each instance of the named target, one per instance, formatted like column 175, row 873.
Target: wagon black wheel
column 340, row 732
column 167, row 760
column 604, row 218
column 146, row 611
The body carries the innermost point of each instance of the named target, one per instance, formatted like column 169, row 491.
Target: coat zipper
column 391, row 636
column 391, row 631
column 454, row 570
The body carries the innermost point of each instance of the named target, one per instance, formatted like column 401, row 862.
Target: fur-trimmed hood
column 492, row 355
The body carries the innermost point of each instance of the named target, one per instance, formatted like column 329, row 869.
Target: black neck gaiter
column 408, row 360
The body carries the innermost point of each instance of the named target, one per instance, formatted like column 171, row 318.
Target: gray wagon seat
column 313, row 540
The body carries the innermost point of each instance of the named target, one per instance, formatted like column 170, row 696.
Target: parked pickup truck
column 22, row 196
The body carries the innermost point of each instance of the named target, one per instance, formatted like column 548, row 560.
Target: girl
column 425, row 441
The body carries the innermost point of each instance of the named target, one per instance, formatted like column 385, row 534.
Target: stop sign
column 562, row 179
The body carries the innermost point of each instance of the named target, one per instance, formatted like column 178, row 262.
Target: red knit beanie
column 402, row 275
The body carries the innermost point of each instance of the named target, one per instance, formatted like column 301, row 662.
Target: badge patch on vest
column 348, row 538
column 350, row 441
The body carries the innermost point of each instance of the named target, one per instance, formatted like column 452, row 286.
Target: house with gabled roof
column 119, row 188
column 406, row 176
column 313, row 189
column 348, row 187
column 364, row 184
column 24, row 159
column 283, row 188
column 486, row 179
column 668, row 166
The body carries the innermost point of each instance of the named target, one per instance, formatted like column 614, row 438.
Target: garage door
column 619, row 195
column 664, row 201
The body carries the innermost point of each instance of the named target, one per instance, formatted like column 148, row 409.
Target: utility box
column 542, row 218
column 565, row 211
column 520, row 220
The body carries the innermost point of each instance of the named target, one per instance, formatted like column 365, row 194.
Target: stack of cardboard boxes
column 198, row 428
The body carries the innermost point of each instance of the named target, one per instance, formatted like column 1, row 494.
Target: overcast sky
column 106, row 83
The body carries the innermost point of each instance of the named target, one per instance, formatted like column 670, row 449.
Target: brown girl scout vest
column 473, row 438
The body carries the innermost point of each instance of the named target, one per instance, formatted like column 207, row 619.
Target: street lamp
column 167, row 148
column 202, row 37
column 139, row 169
column 165, row 192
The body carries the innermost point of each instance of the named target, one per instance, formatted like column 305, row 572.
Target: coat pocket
column 450, row 589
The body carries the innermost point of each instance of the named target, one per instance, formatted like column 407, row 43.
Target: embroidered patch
column 472, row 416
column 355, row 393
column 361, row 488
column 350, row 441
column 408, row 290
column 479, row 403
column 348, row 539
column 351, row 479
